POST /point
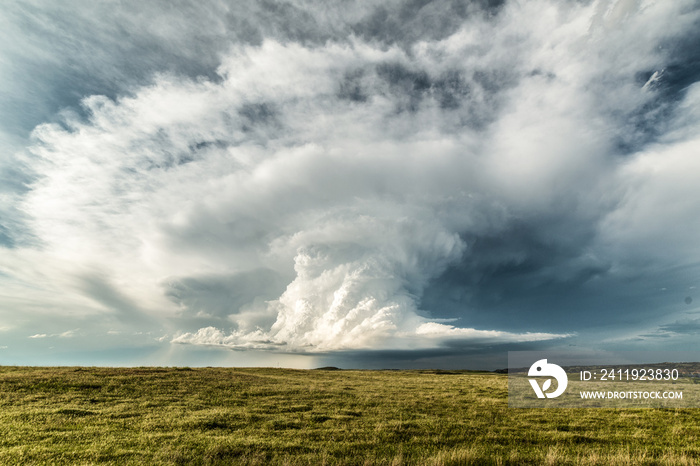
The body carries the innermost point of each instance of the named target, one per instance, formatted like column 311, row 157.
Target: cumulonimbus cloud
column 346, row 176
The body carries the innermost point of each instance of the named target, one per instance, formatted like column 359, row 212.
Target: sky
column 395, row 184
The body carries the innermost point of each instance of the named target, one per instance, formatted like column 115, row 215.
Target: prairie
column 88, row 415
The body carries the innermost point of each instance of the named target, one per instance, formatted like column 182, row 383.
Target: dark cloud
column 684, row 327
column 408, row 21
column 676, row 70
column 351, row 86
column 454, row 355
column 451, row 90
column 409, row 85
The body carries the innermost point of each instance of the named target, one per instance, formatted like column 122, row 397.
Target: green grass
column 278, row 416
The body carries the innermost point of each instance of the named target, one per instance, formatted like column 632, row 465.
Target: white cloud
column 66, row 334
column 211, row 336
column 440, row 331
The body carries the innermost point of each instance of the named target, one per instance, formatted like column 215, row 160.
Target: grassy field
column 279, row 416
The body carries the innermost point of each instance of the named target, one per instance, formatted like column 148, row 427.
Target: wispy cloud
column 66, row 334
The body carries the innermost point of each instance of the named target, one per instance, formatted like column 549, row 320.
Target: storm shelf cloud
column 290, row 178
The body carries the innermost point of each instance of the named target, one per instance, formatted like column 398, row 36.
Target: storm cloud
column 288, row 178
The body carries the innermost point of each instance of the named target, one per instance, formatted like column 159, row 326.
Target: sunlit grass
column 278, row 416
